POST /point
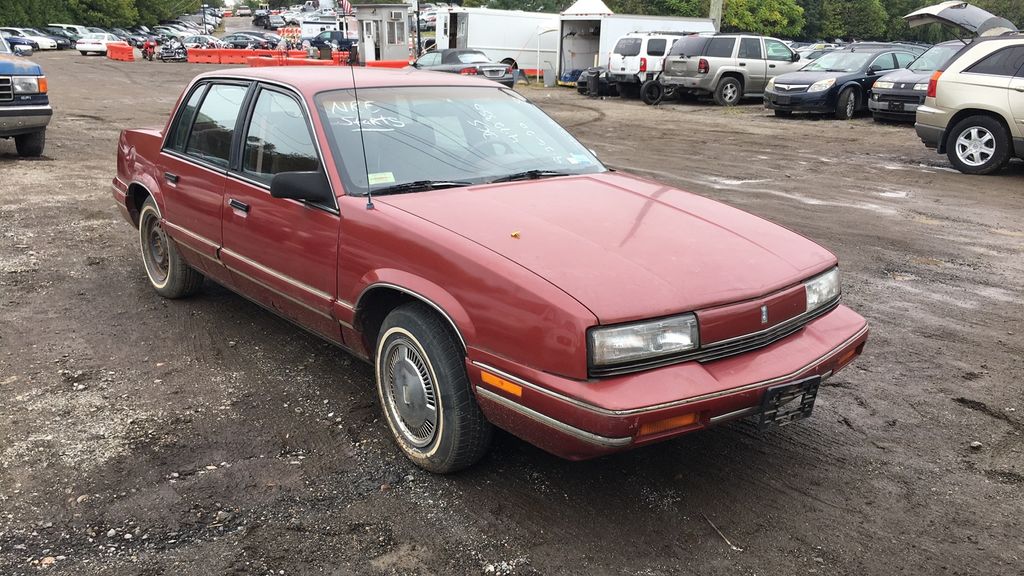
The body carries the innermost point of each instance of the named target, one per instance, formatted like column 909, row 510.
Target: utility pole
column 716, row 14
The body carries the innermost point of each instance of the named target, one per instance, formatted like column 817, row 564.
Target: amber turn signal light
column 501, row 384
column 659, row 426
column 42, row 85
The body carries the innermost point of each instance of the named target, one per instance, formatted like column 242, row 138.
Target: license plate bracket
column 787, row 403
column 896, row 106
column 782, row 100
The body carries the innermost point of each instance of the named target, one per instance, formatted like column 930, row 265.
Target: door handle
column 172, row 178
column 743, row 63
column 771, row 65
column 238, row 205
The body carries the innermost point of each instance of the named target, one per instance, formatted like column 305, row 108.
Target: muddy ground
column 206, row 436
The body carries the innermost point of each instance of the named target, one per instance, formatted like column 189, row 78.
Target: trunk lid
column 962, row 16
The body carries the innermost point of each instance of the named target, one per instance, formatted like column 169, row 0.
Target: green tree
column 854, row 19
column 104, row 13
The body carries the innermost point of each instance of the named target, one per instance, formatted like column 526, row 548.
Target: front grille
column 791, row 88
column 908, row 98
column 6, row 89
column 721, row 350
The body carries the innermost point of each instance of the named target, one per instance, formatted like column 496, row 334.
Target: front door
column 779, row 58
column 284, row 253
column 751, row 59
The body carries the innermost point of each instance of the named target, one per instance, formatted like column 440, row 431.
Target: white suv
column 638, row 57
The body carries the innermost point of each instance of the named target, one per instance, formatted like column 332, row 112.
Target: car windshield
column 840, row 62
column 472, row 58
column 440, row 134
column 95, row 37
column 935, row 57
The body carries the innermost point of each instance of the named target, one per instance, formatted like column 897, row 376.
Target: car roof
column 313, row 79
column 881, row 47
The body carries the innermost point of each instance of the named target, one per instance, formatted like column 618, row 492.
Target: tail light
column 703, row 67
column 469, row 71
column 933, row 83
column 643, row 64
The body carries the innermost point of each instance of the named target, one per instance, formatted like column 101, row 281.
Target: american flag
column 346, row 8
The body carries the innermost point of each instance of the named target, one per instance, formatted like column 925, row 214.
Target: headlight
column 643, row 340
column 922, row 86
column 29, row 84
column 883, row 85
column 771, row 84
column 822, row 85
column 822, row 289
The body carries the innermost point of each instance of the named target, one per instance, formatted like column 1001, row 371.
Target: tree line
column 102, row 13
column 797, row 19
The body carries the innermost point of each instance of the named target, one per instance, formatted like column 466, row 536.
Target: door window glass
column 778, row 51
column 1005, row 62
column 721, row 47
column 179, row 132
column 210, row 138
column 431, row 59
column 750, row 48
column 656, row 46
column 903, row 59
column 884, row 62
column 278, row 139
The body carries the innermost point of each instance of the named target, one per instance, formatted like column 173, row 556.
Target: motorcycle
column 148, row 49
column 173, row 52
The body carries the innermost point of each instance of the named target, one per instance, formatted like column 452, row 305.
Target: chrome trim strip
column 781, row 326
column 420, row 297
column 31, row 108
column 286, row 279
column 734, row 414
column 674, row 403
column 199, row 238
column 346, row 304
column 556, row 424
column 281, row 294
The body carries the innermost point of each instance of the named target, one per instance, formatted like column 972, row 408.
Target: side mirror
column 874, row 69
column 308, row 186
column 795, row 58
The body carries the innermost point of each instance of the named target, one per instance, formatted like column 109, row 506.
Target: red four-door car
column 489, row 266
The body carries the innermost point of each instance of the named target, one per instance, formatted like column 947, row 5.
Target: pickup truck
column 24, row 106
column 492, row 270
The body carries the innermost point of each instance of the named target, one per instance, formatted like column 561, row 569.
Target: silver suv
column 974, row 111
column 726, row 66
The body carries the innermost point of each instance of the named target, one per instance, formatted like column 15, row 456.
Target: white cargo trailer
column 526, row 40
column 588, row 32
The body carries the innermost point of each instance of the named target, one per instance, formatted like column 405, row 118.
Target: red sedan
column 489, row 266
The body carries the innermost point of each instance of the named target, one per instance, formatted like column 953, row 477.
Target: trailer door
column 459, row 30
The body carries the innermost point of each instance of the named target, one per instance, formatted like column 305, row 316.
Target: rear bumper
column 17, row 120
column 579, row 420
column 702, row 83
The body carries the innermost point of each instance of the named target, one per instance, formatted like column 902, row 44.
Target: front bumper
column 584, row 419
column 897, row 104
column 819, row 102
column 17, row 120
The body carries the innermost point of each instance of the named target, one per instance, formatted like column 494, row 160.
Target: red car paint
column 520, row 269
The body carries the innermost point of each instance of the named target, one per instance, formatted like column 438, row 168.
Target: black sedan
column 897, row 95
column 468, row 62
column 838, row 83
column 239, row 40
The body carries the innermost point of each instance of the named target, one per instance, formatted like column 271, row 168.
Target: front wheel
column 168, row 273
column 846, row 106
column 652, row 92
column 978, row 145
column 425, row 393
column 30, row 145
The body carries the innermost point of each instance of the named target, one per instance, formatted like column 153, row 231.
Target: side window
column 750, row 48
column 1005, row 62
column 656, row 46
column 430, row 59
column 778, row 51
column 278, row 139
column 179, row 132
column 720, row 47
column 903, row 59
column 214, row 126
column 884, row 62
column 324, row 36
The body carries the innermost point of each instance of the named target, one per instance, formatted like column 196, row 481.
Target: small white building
column 383, row 31
column 589, row 30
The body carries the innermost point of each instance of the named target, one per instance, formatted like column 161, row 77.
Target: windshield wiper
column 418, row 186
column 529, row 175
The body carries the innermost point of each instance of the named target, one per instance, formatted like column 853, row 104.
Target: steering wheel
column 493, row 144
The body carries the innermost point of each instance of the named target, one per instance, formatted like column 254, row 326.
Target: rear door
column 655, row 52
column 282, row 252
column 625, row 58
column 750, row 59
column 1016, row 95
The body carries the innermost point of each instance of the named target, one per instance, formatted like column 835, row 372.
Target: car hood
column 624, row 247
column 11, row 64
column 963, row 16
column 808, row 77
column 904, row 76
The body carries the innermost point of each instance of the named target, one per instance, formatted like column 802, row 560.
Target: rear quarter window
column 656, row 46
column 628, row 47
column 689, row 46
column 720, row 47
column 1004, row 62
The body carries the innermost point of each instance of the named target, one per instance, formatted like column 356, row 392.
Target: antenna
column 362, row 139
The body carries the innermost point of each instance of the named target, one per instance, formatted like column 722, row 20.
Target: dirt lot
column 205, row 436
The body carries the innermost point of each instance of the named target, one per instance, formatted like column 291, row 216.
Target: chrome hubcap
column 730, row 92
column 975, row 146
column 410, row 393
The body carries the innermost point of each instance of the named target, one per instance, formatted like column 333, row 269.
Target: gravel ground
column 206, row 436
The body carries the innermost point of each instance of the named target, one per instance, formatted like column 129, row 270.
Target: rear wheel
column 629, row 90
column 729, row 92
column 168, row 273
column 425, row 393
column 30, row 145
column 846, row 106
column 652, row 92
column 978, row 145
